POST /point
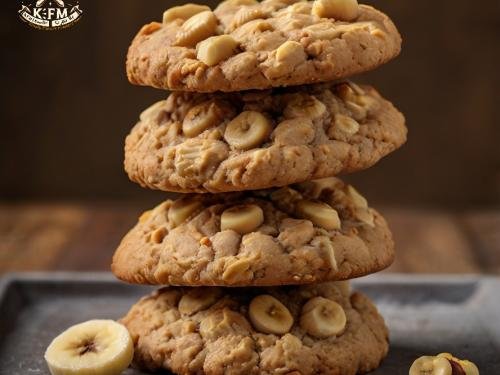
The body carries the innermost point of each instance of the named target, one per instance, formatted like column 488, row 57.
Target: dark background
column 66, row 106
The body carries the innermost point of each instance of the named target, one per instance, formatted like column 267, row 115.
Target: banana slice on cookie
column 95, row 347
column 248, row 130
column 268, row 315
column 243, row 218
column 323, row 318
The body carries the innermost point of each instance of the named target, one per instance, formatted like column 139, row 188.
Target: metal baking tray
column 425, row 315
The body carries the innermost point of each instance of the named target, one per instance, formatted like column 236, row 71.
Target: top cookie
column 246, row 44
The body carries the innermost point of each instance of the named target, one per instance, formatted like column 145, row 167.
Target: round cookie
column 317, row 231
column 317, row 329
column 246, row 44
column 260, row 139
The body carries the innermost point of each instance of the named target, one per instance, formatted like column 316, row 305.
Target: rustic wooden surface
column 83, row 237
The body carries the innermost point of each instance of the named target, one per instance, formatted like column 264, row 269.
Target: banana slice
column 268, row 315
column 319, row 213
column 248, row 130
column 96, row 347
column 430, row 365
column 304, row 105
column 182, row 209
column 323, row 318
column 343, row 10
column 198, row 299
column 243, row 218
column 196, row 28
column 183, row 12
column 469, row 367
column 200, row 118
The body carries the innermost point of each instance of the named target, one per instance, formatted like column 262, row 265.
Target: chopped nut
column 355, row 197
column 237, row 271
column 145, row 216
column 343, row 10
column 321, row 214
column 183, row 12
column 201, row 117
column 323, row 318
column 244, row 15
column 216, row 49
column 291, row 53
column 195, row 29
column 243, row 218
column 159, row 234
column 268, row 315
column 198, row 299
column 325, row 245
column 183, row 209
column 247, row 130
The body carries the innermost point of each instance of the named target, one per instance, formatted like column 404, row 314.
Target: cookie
column 260, row 139
column 244, row 44
column 317, row 329
column 320, row 230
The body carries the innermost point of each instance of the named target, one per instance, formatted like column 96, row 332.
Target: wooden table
column 83, row 237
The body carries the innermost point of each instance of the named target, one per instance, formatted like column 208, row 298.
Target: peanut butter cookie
column 317, row 329
column 246, row 44
column 316, row 231
column 260, row 139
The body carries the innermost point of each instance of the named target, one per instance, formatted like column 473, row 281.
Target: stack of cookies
column 254, row 255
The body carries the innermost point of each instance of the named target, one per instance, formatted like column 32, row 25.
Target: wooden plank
column 483, row 230
column 32, row 236
column 429, row 242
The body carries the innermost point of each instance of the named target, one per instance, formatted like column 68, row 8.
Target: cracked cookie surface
column 214, row 331
column 315, row 231
column 260, row 139
column 244, row 44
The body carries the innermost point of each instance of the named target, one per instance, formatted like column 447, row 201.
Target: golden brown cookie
column 317, row 329
column 246, row 44
column 317, row 231
column 261, row 139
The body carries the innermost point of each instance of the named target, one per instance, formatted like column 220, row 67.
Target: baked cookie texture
column 245, row 44
column 259, row 139
column 286, row 330
column 316, row 231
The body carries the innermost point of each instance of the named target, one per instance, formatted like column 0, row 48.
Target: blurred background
column 66, row 107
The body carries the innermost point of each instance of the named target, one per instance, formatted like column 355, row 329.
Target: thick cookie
column 260, row 139
column 318, row 231
column 317, row 329
column 244, row 44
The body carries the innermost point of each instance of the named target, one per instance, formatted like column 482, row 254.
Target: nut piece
column 238, row 270
column 198, row 299
column 356, row 198
column 346, row 124
column 323, row 318
column 291, row 53
column 216, row 49
column 243, row 219
column 195, row 29
column 183, row 12
column 319, row 213
column 268, row 315
column 200, row 118
column 430, row 365
column 343, row 10
column 247, row 130
column 183, row 209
